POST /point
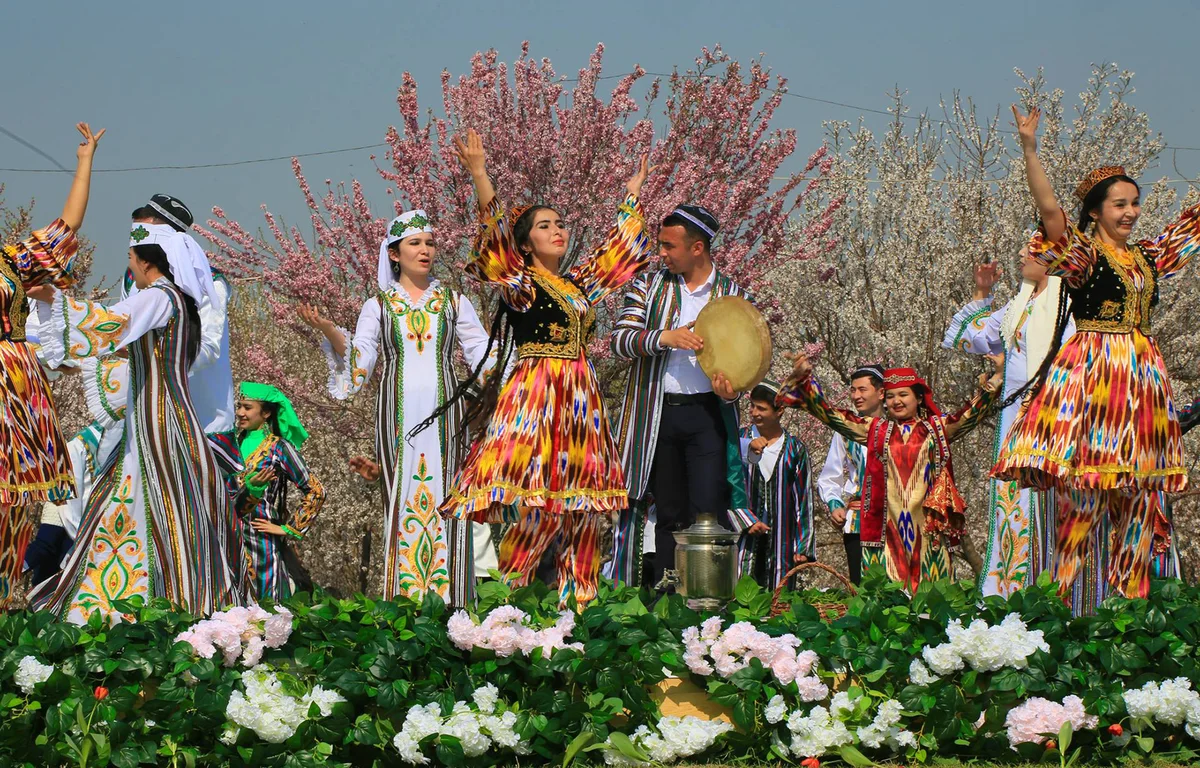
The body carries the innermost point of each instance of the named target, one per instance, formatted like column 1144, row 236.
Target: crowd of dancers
column 179, row 488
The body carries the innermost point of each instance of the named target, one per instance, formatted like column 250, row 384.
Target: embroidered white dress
column 415, row 341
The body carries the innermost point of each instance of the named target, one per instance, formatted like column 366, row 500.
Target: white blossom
column 31, row 673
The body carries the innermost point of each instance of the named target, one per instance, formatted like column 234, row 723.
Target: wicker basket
column 829, row 610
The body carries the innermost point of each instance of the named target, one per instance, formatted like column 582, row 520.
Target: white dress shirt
column 683, row 375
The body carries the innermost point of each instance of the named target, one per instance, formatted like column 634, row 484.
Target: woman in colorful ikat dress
column 1021, row 521
column 269, row 436
column 413, row 326
column 1101, row 427
column 157, row 522
column 547, row 452
column 912, row 514
column 34, row 464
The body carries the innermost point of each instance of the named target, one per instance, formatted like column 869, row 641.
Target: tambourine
column 737, row 342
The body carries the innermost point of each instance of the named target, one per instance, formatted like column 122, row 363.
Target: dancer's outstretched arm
column 1051, row 214
column 77, row 198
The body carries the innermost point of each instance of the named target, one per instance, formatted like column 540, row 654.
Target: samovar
column 705, row 563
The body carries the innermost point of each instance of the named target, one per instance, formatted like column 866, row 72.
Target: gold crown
column 1095, row 177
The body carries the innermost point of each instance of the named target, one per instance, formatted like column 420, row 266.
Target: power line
column 196, row 166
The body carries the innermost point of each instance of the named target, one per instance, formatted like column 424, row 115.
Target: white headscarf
column 189, row 265
column 405, row 225
column 1039, row 328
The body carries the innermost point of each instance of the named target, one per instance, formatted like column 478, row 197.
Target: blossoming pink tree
column 710, row 138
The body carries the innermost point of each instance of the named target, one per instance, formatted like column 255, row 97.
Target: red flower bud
column 1115, row 729
column 811, row 762
column 1051, row 744
column 101, row 692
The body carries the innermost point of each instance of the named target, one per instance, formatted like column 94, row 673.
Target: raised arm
column 1053, row 219
column 801, row 390
column 974, row 410
column 474, row 160
column 89, row 329
column 625, row 250
column 77, row 198
column 350, row 363
column 975, row 329
column 1175, row 247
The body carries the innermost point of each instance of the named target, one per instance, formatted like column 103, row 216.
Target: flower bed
column 945, row 675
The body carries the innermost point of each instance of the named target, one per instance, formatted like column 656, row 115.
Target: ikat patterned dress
column 548, row 457
column 158, row 521
column 1104, row 427
column 415, row 340
column 907, row 552
column 34, row 463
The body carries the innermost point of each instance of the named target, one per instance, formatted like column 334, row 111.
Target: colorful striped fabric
column 157, row 522
column 652, row 307
column 784, row 503
column 270, row 578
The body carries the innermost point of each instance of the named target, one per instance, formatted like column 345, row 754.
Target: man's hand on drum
column 758, row 529
column 682, row 338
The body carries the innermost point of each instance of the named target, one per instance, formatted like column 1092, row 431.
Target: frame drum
column 737, row 342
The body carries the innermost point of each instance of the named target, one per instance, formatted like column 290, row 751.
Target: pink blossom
column 278, row 628
column 254, row 651
column 1033, row 719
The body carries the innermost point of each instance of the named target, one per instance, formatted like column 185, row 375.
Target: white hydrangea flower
column 776, row 710
column 230, row 735
column 486, row 698
column 919, row 674
column 31, row 673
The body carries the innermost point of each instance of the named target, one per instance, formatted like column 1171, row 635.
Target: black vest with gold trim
column 1109, row 302
column 554, row 326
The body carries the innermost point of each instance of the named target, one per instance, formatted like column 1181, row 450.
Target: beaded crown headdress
column 1095, row 177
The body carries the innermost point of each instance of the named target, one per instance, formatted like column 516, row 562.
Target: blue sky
column 224, row 81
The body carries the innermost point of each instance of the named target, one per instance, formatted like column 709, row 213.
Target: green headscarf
column 290, row 428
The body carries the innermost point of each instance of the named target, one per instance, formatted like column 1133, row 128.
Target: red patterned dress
column 34, row 464
column 548, row 451
column 1104, row 428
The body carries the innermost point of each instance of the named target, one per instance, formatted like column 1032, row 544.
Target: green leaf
column 579, row 742
column 1064, row 737
column 1145, row 743
column 745, row 590
column 627, row 748
column 853, row 757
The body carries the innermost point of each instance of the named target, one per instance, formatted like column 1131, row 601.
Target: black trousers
column 45, row 553
column 688, row 476
column 853, row 556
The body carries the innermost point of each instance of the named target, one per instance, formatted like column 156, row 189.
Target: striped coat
column 651, row 308
column 784, row 504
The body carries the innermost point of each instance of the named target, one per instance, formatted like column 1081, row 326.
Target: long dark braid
column 481, row 407
column 1060, row 326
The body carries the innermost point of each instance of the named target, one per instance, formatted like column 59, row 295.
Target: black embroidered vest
column 553, row 326
column 1109, row 302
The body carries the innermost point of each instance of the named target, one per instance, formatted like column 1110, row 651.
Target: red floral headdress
column 898, row 378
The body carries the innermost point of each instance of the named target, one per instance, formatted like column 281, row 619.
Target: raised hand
column 801, row 366
column 634, row 185
column 1027, row 126
column 985, row 278
column 312, row 317
column 470, row 153
column 87, row 147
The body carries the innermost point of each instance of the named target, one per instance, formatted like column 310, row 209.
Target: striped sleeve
column 630, row 339
column 807, row 394
column 314, row 493
column 806, row 530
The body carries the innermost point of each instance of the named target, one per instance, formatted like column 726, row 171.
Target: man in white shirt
column 678, row 429
column 840, row 481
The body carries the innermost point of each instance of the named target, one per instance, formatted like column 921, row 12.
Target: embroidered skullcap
column 874, row 370
column 1095, row 177
column 899, row 378
column 405, row 225
column 189, row 265
column 173, row 210
column 701, row 217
